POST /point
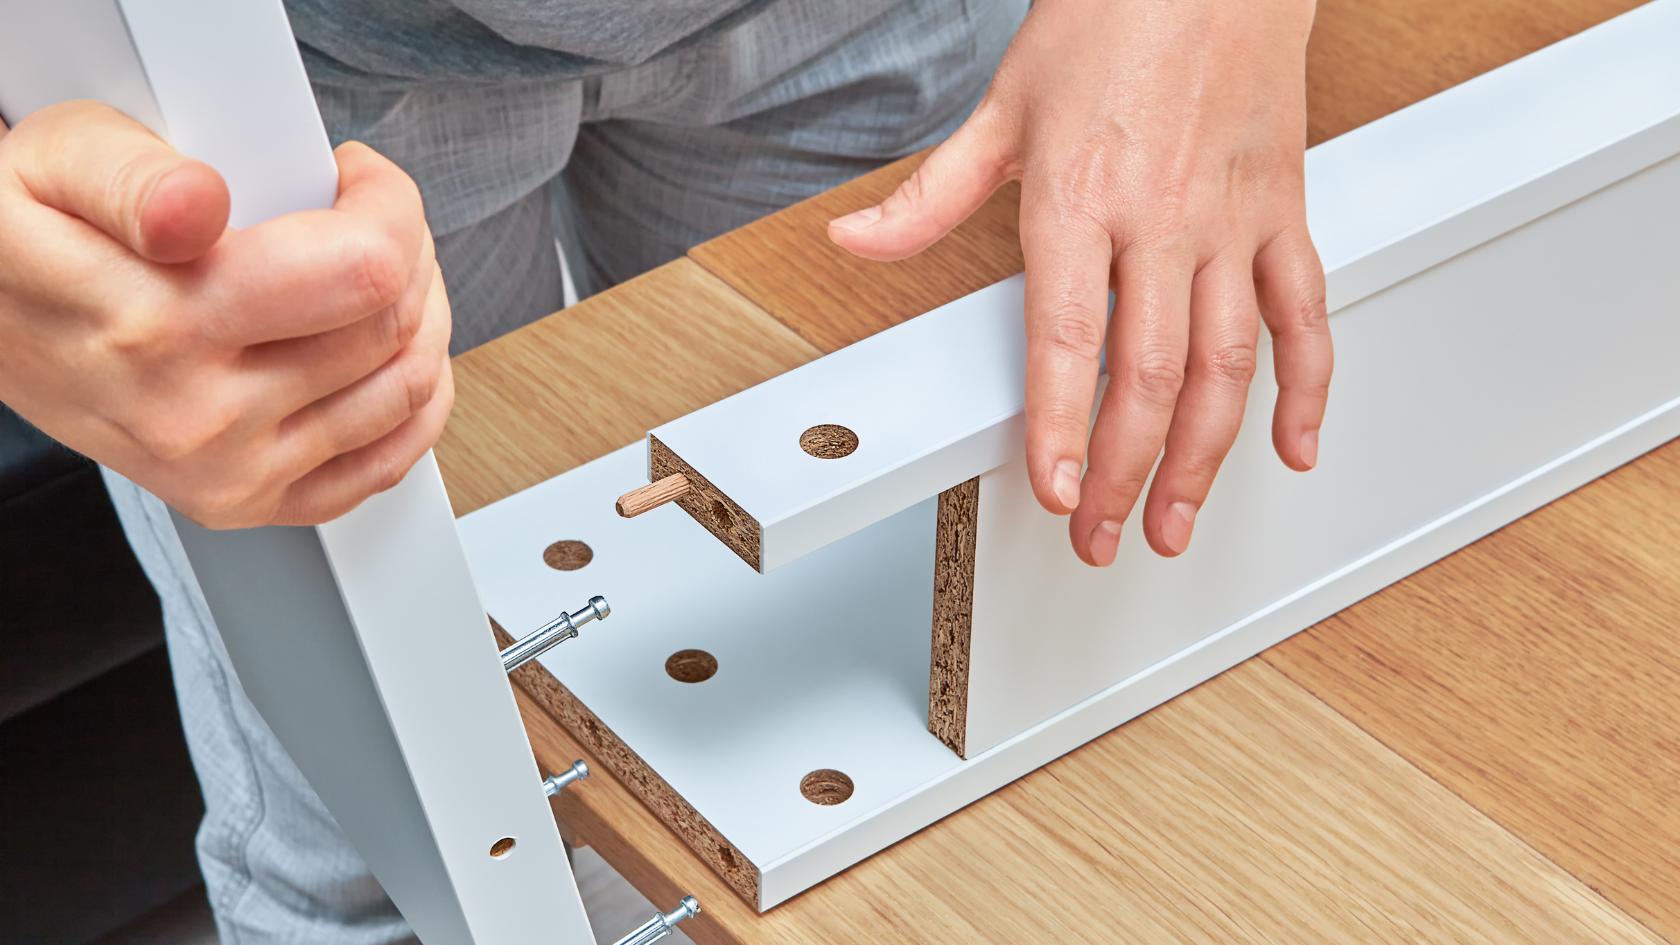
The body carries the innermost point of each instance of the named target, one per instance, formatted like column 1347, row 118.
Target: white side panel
column 1385, row 202
column 1448, row 386
column 363, row 642
column 232, row 90
column 38, row 37
column 407, row 587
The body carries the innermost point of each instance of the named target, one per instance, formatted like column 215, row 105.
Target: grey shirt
column 402, row 43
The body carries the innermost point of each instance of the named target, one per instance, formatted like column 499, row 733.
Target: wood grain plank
column 592, row 378
column 786, row 265
column 1367, row 58
column 1243, row 811
column 1537, row 675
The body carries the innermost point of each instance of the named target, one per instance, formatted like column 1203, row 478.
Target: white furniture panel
column 1449, row 386
column 363, row 642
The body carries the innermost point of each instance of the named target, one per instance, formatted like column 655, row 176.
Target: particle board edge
column 955, row 540
column 710, row 845
column 707, row 504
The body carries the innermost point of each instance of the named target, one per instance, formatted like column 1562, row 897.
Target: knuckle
column 174, row 435
column 226, row 504
column 408, row 318
column 380, row 271
column 1311, row 313
column 387, row 474
column 1063, row 424
column 142, row 332
column 417, row 381
column 1195, row 472
column 1231, row 364
column 396, row 326
column 1155, row 375
column 1079, row 333
column 1313, row 390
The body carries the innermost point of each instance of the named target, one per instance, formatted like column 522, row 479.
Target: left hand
column 1159, row 145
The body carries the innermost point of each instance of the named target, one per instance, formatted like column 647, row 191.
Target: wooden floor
column 1488, row 751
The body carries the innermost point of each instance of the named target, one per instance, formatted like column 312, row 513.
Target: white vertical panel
column 1449, row 386
column 423, row 632
column 362, row 642
column 38, row 38
column 232, row 90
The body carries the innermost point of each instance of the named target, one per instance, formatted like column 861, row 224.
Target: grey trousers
column 627, row 171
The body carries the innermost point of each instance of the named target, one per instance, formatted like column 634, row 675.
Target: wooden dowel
column 672, row 487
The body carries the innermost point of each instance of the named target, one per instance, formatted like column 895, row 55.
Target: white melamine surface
column 40, row 37
column 932, row 401
column 231, row 88
column 1448, row 386
column 822, row 664
column 1432, row 180
column 379, row 675
column 938, row 399
column 406, row 586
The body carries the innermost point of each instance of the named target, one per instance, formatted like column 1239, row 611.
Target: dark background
column 98, row 802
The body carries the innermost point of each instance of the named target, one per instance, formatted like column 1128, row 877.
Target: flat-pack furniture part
column 1504, row 304
column 362, row 642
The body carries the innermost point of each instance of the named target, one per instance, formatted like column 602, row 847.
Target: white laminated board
column 363, row 642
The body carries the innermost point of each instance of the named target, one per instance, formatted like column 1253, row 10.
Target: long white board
column 363, row 642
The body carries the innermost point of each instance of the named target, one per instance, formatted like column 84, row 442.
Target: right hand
column 277, row 375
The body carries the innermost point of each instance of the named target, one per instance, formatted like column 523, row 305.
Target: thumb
column 951, row 184
column 91, row 161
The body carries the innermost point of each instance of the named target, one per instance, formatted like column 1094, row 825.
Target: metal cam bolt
column 662, row 924
column 577, row 772
column 553, row 633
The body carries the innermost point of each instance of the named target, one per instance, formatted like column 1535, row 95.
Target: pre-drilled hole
column 720, row 515
column 826, row 786
column 568, row 555
column 828, row 441
column 691, row 666
column 501, row 847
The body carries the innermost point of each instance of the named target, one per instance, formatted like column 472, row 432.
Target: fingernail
column 1105, row 543
column 1177, row 525
column 861, row 220
column 1309, row 448
column 1066, row 483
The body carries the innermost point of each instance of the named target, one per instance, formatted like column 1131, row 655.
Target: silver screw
column 662, row 924
column 553, row 633
column 577, row 772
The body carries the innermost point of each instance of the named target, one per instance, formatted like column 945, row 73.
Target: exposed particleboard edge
column 708, row 505
column 659, row 797
column 953, row 613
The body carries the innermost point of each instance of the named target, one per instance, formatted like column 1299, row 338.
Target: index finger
column 1067, row 260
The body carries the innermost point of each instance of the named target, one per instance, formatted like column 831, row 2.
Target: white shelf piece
column 363, row 642
column 1501, row 267
column 937, row 400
